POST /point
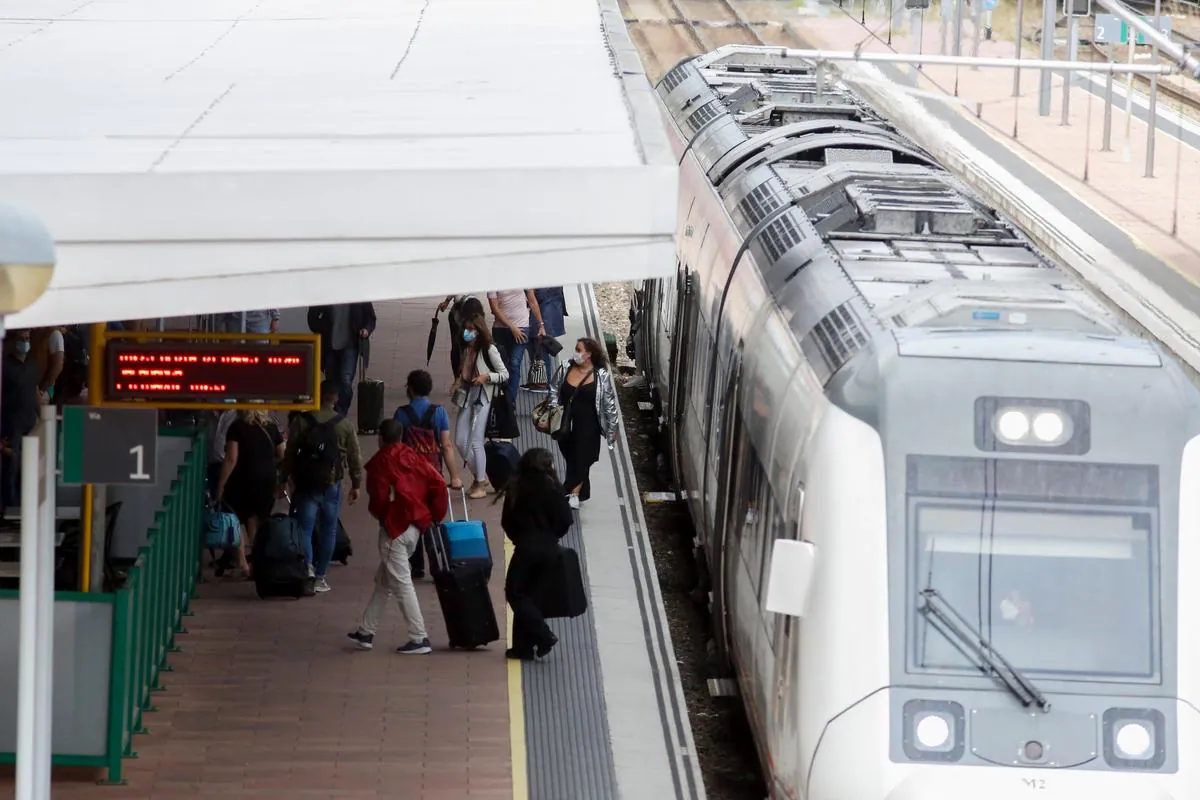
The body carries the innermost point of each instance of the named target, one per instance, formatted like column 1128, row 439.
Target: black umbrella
column 433, row 326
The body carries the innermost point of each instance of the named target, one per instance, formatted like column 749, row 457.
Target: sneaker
column 573, row 501
column 320, row 585
column 416, row 648
column 311, row 574
column 364, row 641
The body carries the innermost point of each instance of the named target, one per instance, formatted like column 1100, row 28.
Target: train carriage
column 937, row 485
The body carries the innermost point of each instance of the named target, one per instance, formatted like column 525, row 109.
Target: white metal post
column 1108, row 100
column 45, row 633
column 1020, row 41
column 1044, row 82
column 1128, row 152
column 1152, row 115
column 1072, row 54
column 958, row 22
column 27, row 650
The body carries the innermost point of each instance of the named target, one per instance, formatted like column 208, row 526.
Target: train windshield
column 1061, row 591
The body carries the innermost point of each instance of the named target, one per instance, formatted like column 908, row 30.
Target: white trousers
column 469, row 430
column 394, row 579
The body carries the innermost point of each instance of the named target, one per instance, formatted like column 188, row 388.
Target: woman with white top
column 482, row 370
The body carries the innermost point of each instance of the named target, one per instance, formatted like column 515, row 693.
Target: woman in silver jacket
column 583, row 386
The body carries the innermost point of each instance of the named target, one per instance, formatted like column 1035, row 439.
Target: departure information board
column 214, row 373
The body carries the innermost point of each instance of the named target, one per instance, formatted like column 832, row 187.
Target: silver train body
column 947, row 503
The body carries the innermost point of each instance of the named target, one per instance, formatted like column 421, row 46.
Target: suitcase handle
column 450, row 504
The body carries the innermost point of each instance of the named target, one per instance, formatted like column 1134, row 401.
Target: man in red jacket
column 407, row 495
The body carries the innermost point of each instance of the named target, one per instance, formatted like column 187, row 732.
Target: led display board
column 218, row 373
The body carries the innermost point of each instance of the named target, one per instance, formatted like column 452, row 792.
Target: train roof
column 809, row 173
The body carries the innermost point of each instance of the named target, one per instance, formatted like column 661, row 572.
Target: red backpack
column 421, row 434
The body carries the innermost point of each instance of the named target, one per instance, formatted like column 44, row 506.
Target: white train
column 947, row 503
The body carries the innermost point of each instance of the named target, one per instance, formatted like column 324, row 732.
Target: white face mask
column 577, row 358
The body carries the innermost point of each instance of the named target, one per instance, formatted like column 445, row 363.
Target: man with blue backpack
column 427, row 433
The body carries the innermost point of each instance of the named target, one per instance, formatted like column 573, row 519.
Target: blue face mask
column 22, row 348
column 468, row 336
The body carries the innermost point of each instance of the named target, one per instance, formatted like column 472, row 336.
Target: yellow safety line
column 516, row 708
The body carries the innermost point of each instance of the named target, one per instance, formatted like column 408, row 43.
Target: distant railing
column 149, row 609
column 144, row 615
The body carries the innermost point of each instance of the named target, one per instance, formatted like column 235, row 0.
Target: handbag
column 502, row 419
column 547, row 418
column 222, row 528
column 550, row 345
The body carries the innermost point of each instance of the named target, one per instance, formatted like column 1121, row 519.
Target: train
column 940, row 490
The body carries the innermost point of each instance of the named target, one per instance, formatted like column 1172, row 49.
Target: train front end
column 1043, row 505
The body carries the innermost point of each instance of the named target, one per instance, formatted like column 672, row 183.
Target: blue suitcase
column 460, row 543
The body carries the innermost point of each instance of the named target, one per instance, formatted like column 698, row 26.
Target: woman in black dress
column 535, row 517
column 583, row 387
column 249, row 481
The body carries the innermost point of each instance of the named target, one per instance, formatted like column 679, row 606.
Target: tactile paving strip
column 566, row 726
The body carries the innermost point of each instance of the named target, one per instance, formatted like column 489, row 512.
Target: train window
column 753, row 524
column 779, row 529
column 1059, row 591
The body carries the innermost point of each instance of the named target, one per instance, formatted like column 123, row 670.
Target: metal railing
column 148, row 610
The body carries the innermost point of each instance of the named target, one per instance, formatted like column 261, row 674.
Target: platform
column 341, row 150
column 268, row 699
column 1113, row 229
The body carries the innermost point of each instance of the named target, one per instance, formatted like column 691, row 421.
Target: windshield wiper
column 946, row 620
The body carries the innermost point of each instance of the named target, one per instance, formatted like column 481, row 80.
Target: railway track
column 1176, row 90
column 666, row 31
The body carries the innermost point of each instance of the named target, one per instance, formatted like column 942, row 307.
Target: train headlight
column 1012, row 425
column 933, row 730
column 1134, row 738
column 1029, row 425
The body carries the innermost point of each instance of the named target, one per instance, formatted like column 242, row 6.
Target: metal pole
column 1108, row 98
column 1044, row 84
column 958, row 20
column 891, row 57
column 1020, row 41
column 27, row 646
column 1152, row 117
column 976, row 25
column 45, row 590
column 918, row 35
column 1068, row 78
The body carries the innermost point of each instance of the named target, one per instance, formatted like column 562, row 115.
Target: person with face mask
column 583, row 387
column 482, row 370
column 20, row 403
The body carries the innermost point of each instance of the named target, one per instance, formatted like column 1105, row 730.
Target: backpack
column 318, row 461
column 421, row 434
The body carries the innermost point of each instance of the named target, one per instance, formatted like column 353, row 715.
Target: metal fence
column 147, row 614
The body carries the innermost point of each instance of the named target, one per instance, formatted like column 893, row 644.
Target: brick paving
column 267, row 697
column 1116, row 188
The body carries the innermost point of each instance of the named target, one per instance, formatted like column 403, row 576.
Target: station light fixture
column 27, row 259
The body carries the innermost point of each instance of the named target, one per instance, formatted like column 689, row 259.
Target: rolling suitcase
column 501, row 461
column 464, row 542
column 343, row 548
column 370, row 401
column 280, row 567
column 463, row 594
column 562, row 593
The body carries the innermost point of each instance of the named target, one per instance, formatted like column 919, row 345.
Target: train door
column 681, row 354
column 727, row 439
column 785, row 689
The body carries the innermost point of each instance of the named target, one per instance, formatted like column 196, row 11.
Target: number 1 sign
column 109, row 445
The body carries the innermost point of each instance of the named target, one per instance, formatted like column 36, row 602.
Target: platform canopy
column 212, row 155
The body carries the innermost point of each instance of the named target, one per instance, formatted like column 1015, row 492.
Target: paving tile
column 267, row 697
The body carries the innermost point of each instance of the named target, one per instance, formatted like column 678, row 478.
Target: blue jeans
column 340, row 366
column 317, row 515
column 516, row 358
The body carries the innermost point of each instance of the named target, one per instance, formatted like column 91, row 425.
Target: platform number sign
column 1111, row 29
column 109, row 445
column 1077, row 8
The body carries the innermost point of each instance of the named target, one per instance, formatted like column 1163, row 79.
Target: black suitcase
column 344, row 548
column 561, row 592
column 501, row 461
column 370, row 402
column 280, row 567
column 464, row 598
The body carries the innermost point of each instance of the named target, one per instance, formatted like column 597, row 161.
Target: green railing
column 148, row 610
column 147, row 613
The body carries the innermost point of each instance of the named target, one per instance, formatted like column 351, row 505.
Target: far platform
column 268, row 699
column 327, row 150
column 1125, row 213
